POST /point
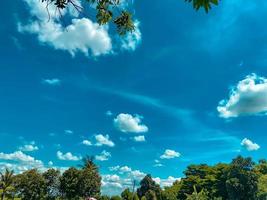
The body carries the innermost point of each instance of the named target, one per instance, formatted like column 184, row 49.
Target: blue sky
column 186, row 87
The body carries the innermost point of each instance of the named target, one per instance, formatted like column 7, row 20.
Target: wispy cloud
column 52, row 82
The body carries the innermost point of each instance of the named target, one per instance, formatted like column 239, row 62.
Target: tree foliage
column 107, row 11
column 112, row 11
column 6, row 181
column 30, row 185
column 149, row 188
column 242, row 179
column 206, row 4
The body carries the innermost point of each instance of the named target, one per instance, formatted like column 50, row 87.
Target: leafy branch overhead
column 111, row 11
column 206, row 4
column 107, row 11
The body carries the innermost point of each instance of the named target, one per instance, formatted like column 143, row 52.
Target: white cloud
column 82, row 35
column 67, row 156
column 17, row 156
column 128, row 123
column 50, row 163
column 121, row 169
column 132, row 39
column 68, row 132
column 114, row 168
column 166, row 182
column 113, row 178
column 87, row 142
column 109, row 113
column 247, row 98
column 249, row 145
column 140, row 138
column 103, row 156
column 104, row 140
column 114, row 184
column 111, row 184
column 137, row 175
column 20, row 161
column 169, row 154
column 125, row 169
column 53, row 81
column 158, row 164
column 29, row 147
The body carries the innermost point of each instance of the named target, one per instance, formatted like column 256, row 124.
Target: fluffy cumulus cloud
column 87, row 143
column 128, row 171
column 67, row 156
column 140, row 138
column 19, row 162
column 103, row 156
column 115, row 184
column 81, row 35
column 166, row 182
column 248, row 97
column 169, row 154
column 28, row 147
column 103, row 140
column 128, row 123
column 249, row 145
column 52, row 82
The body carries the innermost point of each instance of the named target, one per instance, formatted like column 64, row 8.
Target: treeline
column 242, row 179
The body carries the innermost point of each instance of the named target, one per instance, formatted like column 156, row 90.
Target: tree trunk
column 3, row 195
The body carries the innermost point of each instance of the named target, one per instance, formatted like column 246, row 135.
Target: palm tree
column 88, row 163
column 6, row 180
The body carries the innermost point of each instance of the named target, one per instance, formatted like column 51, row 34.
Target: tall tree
column 6, row 181
column 90, row 181
column 52, row 183
column 200, row 176
column 241, row 181
column 148, row 184
column 30, row 185
column 69, row 184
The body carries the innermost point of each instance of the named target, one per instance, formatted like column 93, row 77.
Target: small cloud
column 50, row 163
column 87, row 142
column 140, row 138
column 68, row 132
column 125, row 169
column 128, row 123
column 170, row 154
column 104, row 140
column 67, row 156
column 158, row 164
column 249, row 145
column 109, row 113
column 52, row 134
column 52, row 82
column 103, row 156
column 29, row 147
